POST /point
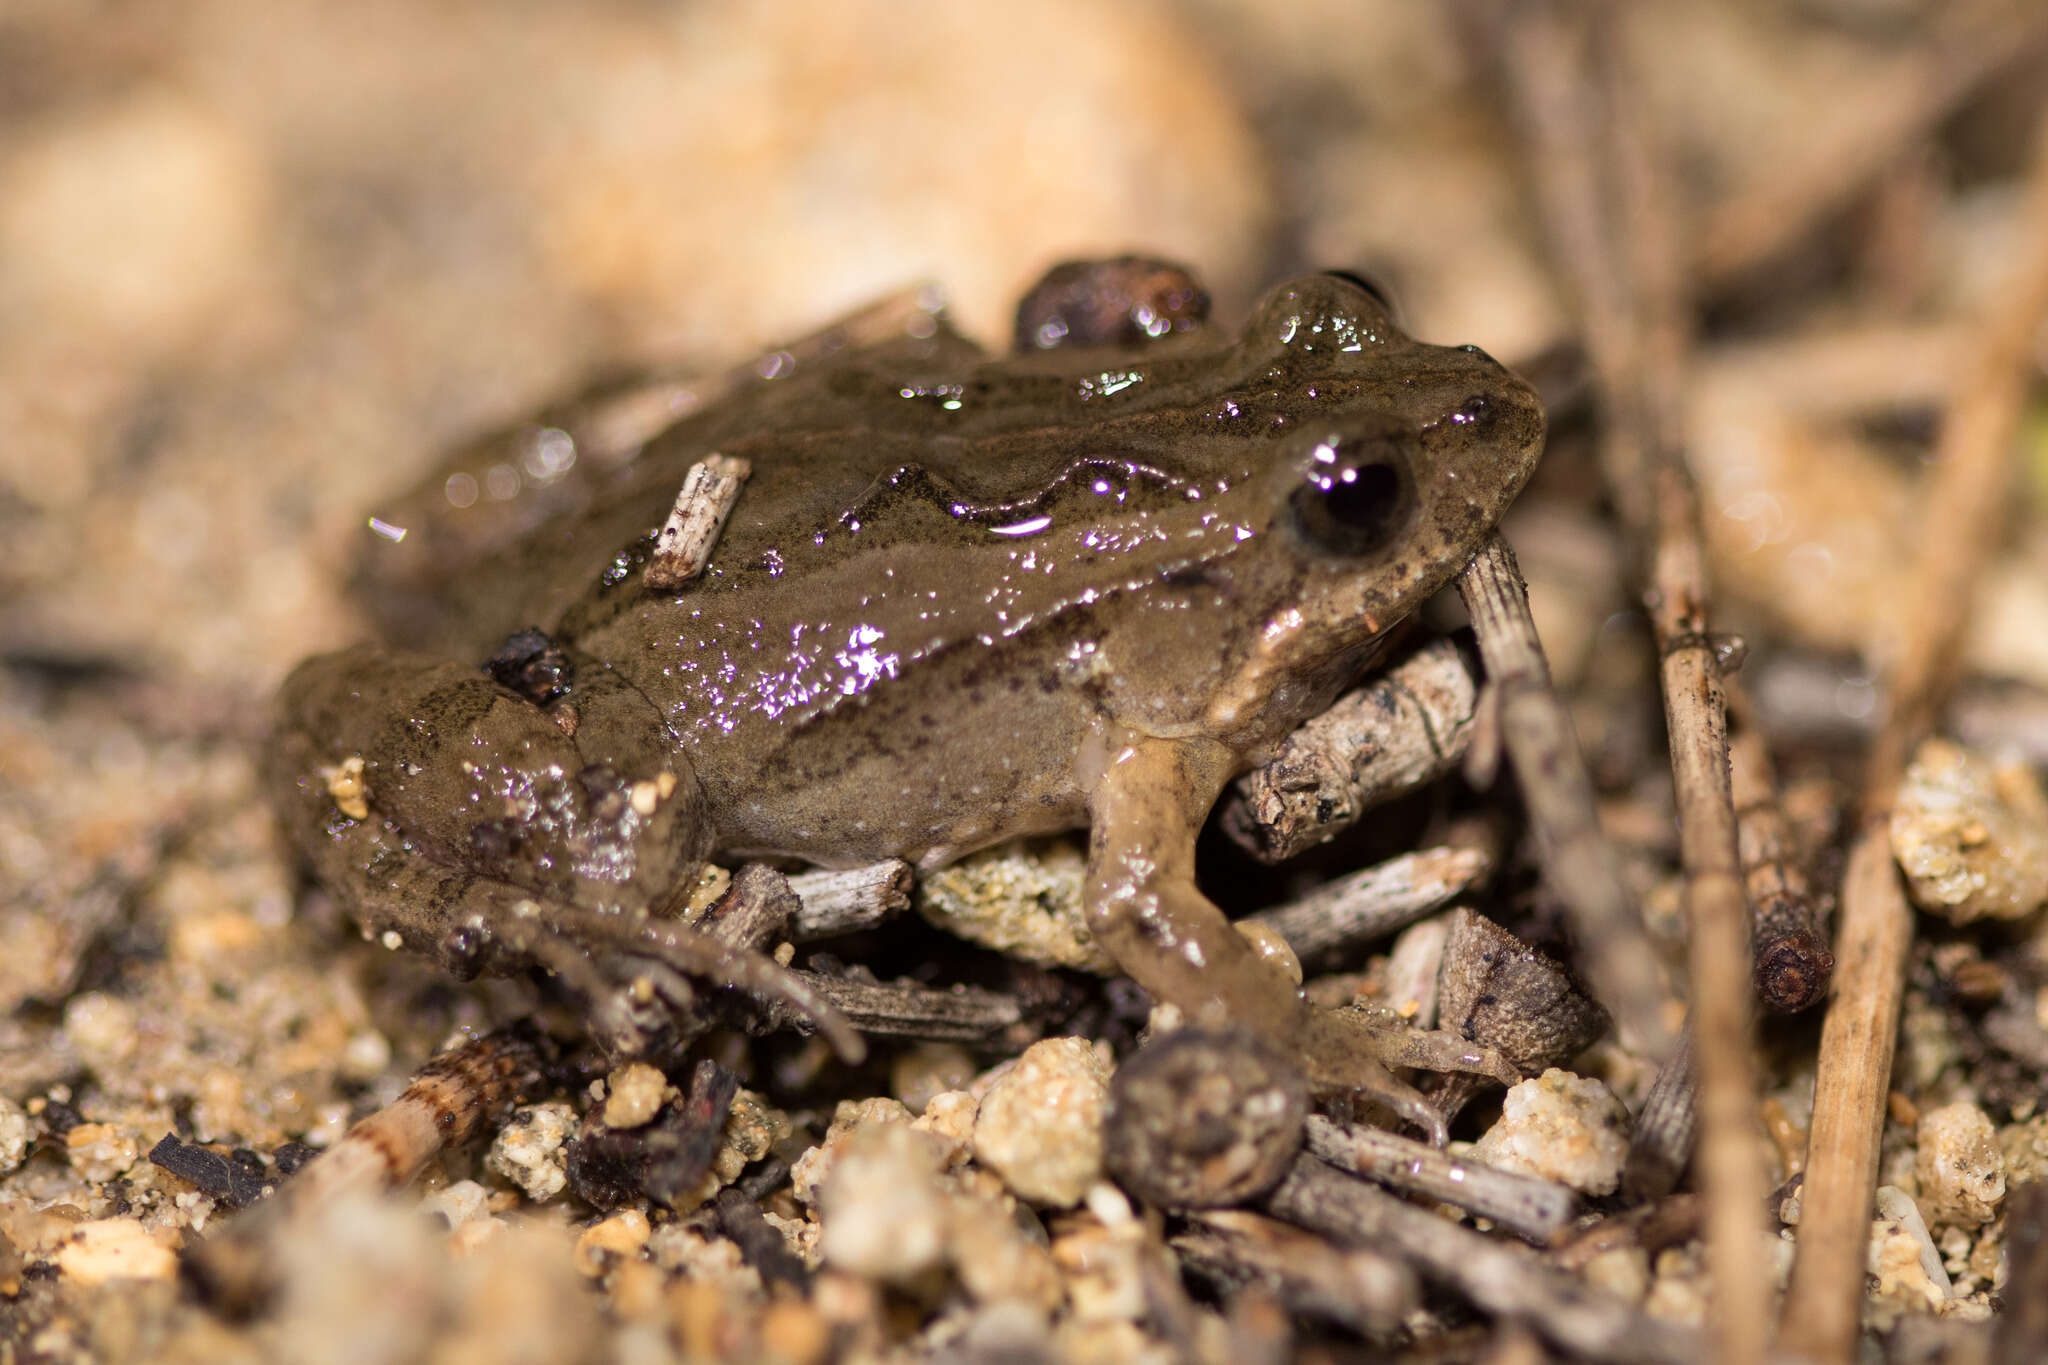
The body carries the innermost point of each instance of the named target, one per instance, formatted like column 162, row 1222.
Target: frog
column 961, row 599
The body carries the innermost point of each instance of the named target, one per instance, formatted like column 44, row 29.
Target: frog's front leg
column 538, row 816
column 1144, row 908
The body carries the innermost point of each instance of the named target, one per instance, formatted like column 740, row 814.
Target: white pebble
column 1561, row 1127
column 634, row 1095
column 1902, row 1255
column 114, row 1249
column 1959, row 1167
column 462, row 1202
column 530, row 1150
column 883, row 1209
column 1040, row 1126
column 14, row 1130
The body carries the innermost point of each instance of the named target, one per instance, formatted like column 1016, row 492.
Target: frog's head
column 1391, row 461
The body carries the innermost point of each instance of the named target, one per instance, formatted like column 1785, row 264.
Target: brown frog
column 959, row 600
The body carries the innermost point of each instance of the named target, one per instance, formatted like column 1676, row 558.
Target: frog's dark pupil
column 1367, row 502
column 1355, row 509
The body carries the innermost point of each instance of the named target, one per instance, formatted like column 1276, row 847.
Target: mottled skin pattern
column 959, row 600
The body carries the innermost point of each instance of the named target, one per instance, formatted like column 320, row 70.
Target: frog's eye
column 1357, row 498
column 1360, row 280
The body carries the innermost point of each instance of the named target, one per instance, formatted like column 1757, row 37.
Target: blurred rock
column 1971, row 835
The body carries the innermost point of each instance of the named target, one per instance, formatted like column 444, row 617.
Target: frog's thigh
column 585, row 802
column 1144, row 907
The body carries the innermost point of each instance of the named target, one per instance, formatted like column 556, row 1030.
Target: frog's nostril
column 1477, row 415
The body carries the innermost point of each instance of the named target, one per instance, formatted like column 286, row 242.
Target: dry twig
column 1359, row 1288
column 1660, row 1144
column 1637, row 331
column 1536, row 1209
column 964, row 1014
column 843, row 902
column 1371, row 904
column 1579, row 862
column 1967, row 483
column 1406, row 727
column 1791, row 965
column 1503, row 1278
column 682, row 547
column 448, row 1101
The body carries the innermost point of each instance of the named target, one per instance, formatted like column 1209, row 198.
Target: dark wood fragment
column 1661, row 1144
column 609, row 1167
column 2022, row 1334
column 959, row 1014
column 1497, row 990
column 238, row 1179
column 739, row 1218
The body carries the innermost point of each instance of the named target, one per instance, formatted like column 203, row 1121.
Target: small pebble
column 100, row 1151
column 1959, row 1167
column 1561, row 1127
column 683, row 1249
column 1971, row 835
column 752, row 1128
column 927, row 1069
column 365, row 1056
column 1040, row 1127
column 809, row 1172
column 1022, row 899
column 102, row 1028
column 634, row 1095
column 950, row 1118
column 531, row 1150
column 14, row 1135
column 1621, row 1271
column 462, row 1202
column 114, row 1249
column 795, row 1333
column 1902, row 1255
column 883, row 1207
column 621, row 1235
column 995, row 1259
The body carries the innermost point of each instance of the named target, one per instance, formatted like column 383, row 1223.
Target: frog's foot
column 615, row 960
column 1356, row 1050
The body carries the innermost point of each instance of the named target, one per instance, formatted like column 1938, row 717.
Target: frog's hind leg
column 1144, row 908
column 495, row 826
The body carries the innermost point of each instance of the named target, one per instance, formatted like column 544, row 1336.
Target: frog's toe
column 606, row 956
column 1355, row 1050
